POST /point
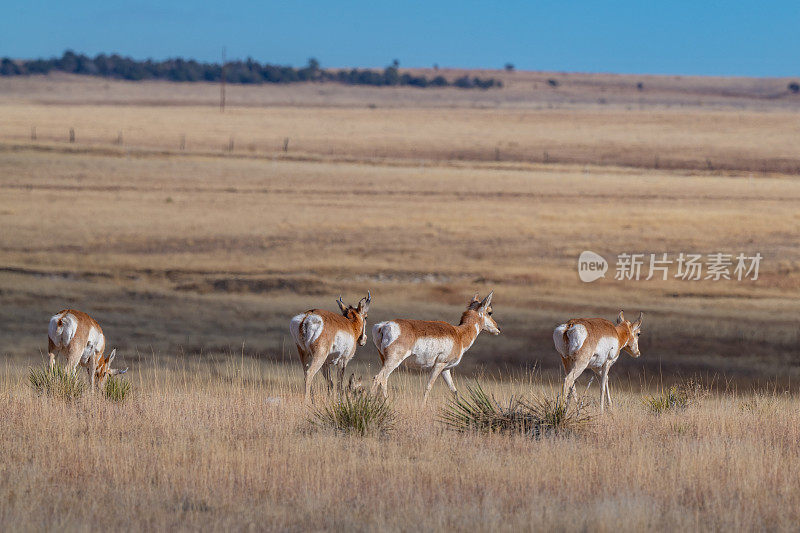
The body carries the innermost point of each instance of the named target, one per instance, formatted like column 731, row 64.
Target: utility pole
column 222, row 86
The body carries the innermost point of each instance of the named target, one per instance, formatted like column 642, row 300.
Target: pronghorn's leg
column 449, row 380
column 608, row 389
column 340, row 368
column 569, row 381
column 591, row 379
column 51, row 351
column 438, row 368
column 91, row 366
column 74, row 353
column 604, row 388
column 326, row 373
column 317, row 360
column 302, row 354
column 390, row 362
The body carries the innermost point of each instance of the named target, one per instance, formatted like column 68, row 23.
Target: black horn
column 488, row 300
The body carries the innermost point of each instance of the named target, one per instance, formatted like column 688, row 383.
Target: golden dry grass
column 696, row 139
column 225, row 443
column 243, row 244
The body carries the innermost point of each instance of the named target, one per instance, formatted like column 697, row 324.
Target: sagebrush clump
column 541, row 416
column 356, row 412
column 116, row 389
column 55, row 382
column 676, row 397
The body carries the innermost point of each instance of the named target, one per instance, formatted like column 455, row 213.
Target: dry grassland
column 696, row 139
column 193, row 260
column 152, row 244
column 206, row 446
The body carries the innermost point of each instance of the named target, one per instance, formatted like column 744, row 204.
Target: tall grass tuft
column 539, row 417
column 676, row 397
column 356, row 413
column 116, row 389
column 56, row 382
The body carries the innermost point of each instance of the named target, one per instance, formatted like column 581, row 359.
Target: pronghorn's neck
column 356, row 322
column 623, row 334
column 469, row 327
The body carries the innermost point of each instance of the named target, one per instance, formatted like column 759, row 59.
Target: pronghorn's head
column 483, row 308
column 633, row 329
column 354, row 385
column 357, row 315
column 104, row 369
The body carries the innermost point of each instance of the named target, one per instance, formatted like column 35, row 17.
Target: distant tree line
column 244, row 72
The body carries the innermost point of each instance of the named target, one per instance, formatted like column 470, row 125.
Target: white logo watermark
column 591, row 266
column 687, row 266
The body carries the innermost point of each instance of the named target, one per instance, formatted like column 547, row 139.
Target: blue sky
column 678, row 37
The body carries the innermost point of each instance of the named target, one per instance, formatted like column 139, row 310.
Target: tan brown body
column 430, row 345
column 326, row 339
column 594, row 343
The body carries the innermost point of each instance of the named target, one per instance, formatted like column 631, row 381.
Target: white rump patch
column 312, row 326
column 384, row 334
column 62, row 336
column 558, row 339
column 294, row 328
column 427, row 350
column 576, row 336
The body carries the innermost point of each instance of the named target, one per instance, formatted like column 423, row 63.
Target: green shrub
column 116, row 389
column 357, row 413
column 535, row 418
column 674, row 398
column 56, row 382
column 677, row 397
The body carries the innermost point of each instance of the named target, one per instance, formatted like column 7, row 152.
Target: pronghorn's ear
column 341, row 305
column 487, row 301
column 620, row 318
column 638, row 323
column 112, row 355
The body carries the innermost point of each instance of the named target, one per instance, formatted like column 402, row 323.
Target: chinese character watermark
column 663, row 266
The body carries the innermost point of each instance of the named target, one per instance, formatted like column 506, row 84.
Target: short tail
column 377, row 338
column 569, row 338
column 575, row 336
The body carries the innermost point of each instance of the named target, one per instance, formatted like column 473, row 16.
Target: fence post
column 183, row 142
column 33, row 133
column 72, row 135
column 286, row 144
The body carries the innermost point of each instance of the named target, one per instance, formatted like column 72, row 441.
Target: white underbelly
column 606, row 352
column 427, row 351
column 342, row 349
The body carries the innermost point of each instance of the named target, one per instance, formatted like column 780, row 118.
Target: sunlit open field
column 193, row 236
column 227, row 444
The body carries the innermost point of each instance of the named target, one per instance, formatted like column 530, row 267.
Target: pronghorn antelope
column 326, row 339
column 430, row 345
column 594, row 343
column 80, row 339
